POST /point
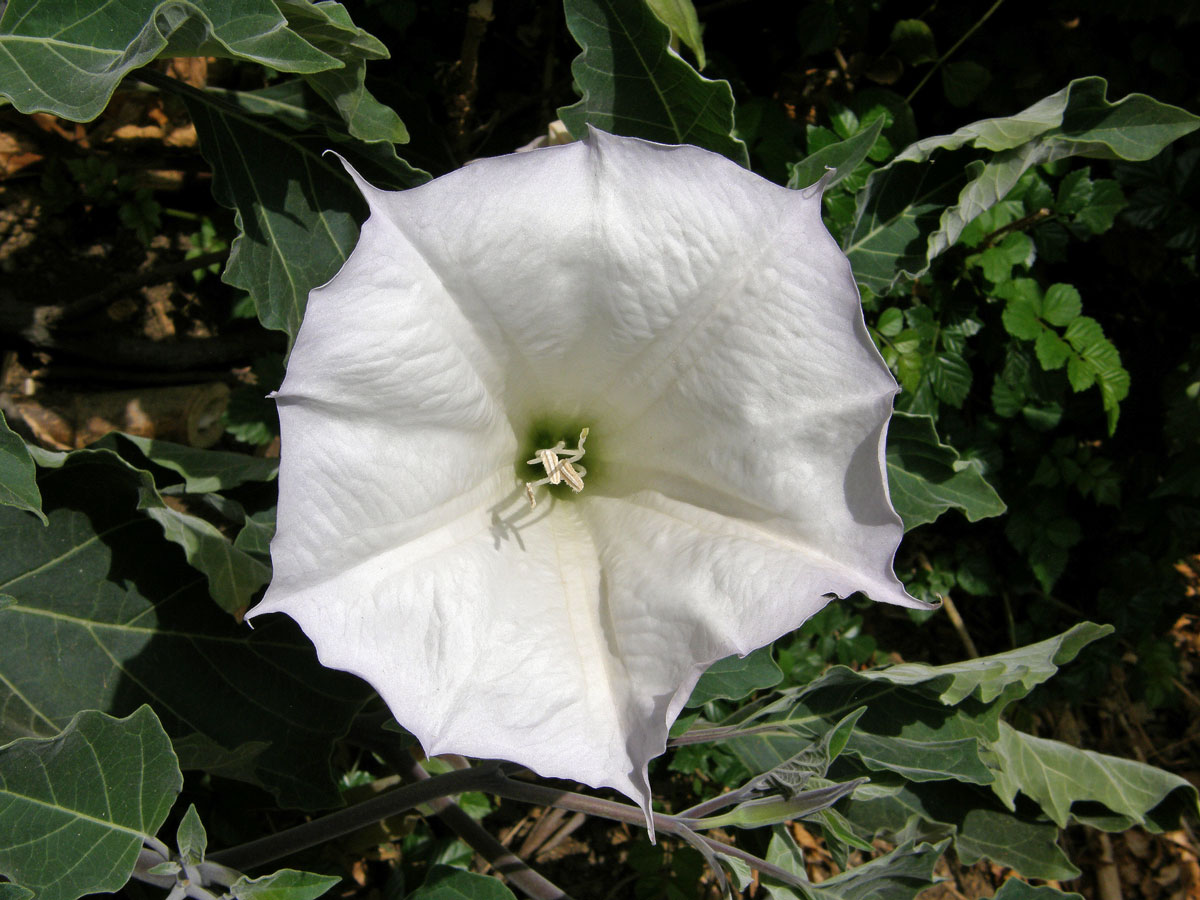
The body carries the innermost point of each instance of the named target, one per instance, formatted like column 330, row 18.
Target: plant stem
column 346, row 821
column 945, row 56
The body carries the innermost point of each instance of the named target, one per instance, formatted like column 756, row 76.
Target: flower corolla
column 682, row 335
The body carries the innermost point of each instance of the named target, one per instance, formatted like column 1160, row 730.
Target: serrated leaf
column 286, row 884
column 74, row 809
column 1098, row 362
column 843, row 157
column 925, row 480
column 1101, row 211
column 446, row 883
column 680, row 16
column 661, row 98
column 127, row 621
column 1020, row 320
column 906, row 217
column 1061, row 304
column 41, row 41
column 1056, row 776
column 1052, row 351
column 736, row 677
column 296, row 210
column 950, row 377
column 18, row 480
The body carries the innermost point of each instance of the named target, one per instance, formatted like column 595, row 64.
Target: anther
column 559, row 464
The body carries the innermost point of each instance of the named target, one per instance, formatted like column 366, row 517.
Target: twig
column 347, row 821
column 1020, row 225
column 481, row 841
column 952, row 613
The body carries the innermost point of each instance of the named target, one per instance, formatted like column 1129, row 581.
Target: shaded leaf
column 634, row 84
column 74, row 808
column 963, row 81
column 40, row 42
column 843, row 157
column 128, row 622
column 927, row 477
column 446, row 883
column 202, row 470
column 191, row 838
column 1016, row 889
column 296, row 210
column 736, row 677
column 18, row 482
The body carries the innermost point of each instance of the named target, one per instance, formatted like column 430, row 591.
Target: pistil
column 560, row 465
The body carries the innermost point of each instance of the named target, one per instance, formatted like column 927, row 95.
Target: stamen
column 559, row 464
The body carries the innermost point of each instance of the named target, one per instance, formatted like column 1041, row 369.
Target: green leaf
column 127, row 621
column 898, row 875
column 202, row 470
column 1061, row 304
column 297, row 211
column 735, row 677
column 843, row 157
column 1016, row 889
column 446, row 883
column 1056, row 776
column 917, row 206
column 912, row 41
column 950, row 377
column 764, row 811
column 327, row 26
column 963, row 81
column 1021, row 320
column 286, row 884
column 680, row 17
column 10, row 891
column 1052, row 351
column 660, row 97
column 67, row 59
column 1098, row 362
column 927, row 477
column 74, row 809
column 932, row 811
column 1101, row 211
column 18, row 483
column 234, row 576
column 191, row 838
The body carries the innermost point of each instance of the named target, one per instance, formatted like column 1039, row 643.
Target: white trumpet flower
column 699, row 327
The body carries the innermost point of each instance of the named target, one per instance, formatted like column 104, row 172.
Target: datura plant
column 567, row 427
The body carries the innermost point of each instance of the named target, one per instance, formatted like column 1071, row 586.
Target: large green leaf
column 916, row 207
column 74, row 808
column 123, row 620
column 1056, row 776
column 926, row 477
column 234, row 575
column 18, row 481
column 67, row 58
column 680, row 16
column 202, row 470
column 296, row 209
column 634, row 84
column 897, row 875
column 1016, row 889
column 843, row 157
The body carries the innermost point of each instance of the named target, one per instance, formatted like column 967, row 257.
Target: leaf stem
column 945, row 56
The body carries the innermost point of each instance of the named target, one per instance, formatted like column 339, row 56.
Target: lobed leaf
column 926, row 477
column 917, row 206
column 128, row 622
column 75, row 808
column 634, row 84
column 67, row 58
column 736, row 677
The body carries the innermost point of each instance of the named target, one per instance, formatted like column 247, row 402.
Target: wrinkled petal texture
column 705, row 326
